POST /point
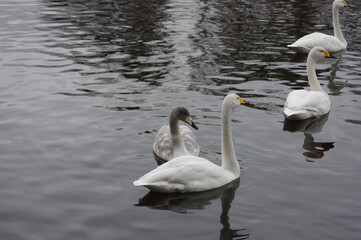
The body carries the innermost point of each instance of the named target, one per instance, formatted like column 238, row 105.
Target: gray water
column 85, row 85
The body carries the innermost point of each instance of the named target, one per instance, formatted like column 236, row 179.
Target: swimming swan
column 173, row 140
column 302, row 104
column 330, row 43
column 196, row 174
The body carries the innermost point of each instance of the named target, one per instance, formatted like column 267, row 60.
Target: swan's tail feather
column 139, row 182
column 160, row 186
column 300, row 49
column 296, row 114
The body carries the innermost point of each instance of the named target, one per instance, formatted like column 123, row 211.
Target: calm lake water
column 85, row 85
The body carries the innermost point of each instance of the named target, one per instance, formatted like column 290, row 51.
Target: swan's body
column 173, row 140
column 330, row 43
column 302, row 104
column 194, row 174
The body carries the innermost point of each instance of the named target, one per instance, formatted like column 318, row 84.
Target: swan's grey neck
column 311, row 74
column 179, row 148
column 336, row 24
column 229, row 160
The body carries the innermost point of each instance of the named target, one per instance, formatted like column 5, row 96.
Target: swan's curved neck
column 179, row 148
column 336, row 25
column 311, row 74
column 229, row 160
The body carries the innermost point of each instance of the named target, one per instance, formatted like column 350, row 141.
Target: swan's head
column 318, row 53
column 339, row 4
column 233, row 100
column 182, row 114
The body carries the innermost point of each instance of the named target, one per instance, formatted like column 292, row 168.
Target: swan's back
column 306, row 43
column 302, row 104
column 163, row 146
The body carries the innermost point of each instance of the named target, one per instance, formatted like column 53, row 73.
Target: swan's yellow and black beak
column 345, row 4
column 327, row 54
column 190, row 122
column 241, row 101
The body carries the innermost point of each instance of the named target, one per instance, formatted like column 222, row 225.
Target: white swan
column 330, row 43
column 173, row 140
column 302, row 104
column 196, row 174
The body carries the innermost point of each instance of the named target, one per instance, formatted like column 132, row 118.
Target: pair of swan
column 330, row 43
column 190, row 173
column 302, row 104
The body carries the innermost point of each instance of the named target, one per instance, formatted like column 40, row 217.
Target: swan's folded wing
column 186, row 173
column 162, row 145
column 189, row 140
column 295, row 99
column 306, row 103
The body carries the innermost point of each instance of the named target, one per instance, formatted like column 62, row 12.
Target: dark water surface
column 85, row 84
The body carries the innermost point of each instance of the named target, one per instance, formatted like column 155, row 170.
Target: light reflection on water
column 86, row 84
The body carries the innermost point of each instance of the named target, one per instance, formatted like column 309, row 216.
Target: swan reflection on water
column 183, row 202
column 315, row 150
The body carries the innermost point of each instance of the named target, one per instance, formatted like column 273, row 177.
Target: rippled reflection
column 206, row 46
column 213, row 47
column 315, row 150
column 183, row 202
column 111, row 42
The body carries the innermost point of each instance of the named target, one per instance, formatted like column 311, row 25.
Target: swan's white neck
column 336, row 24
column 179, row 148
column 311, row 74
column 229, row 160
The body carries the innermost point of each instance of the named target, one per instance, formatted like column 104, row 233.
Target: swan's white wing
column 302, row 104
column 306, row 43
